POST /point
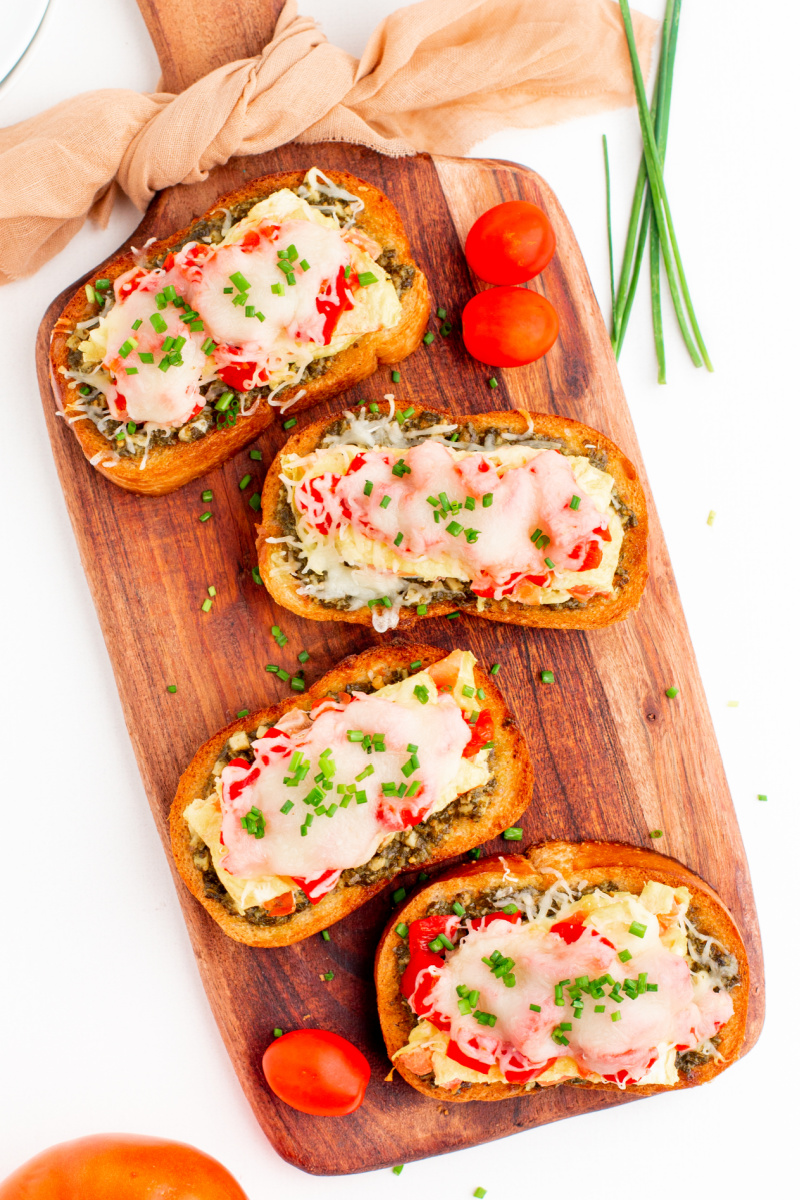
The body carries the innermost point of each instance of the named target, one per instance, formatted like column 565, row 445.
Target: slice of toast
column 168, row 467
column 575, row 439
column 509, row 796
column 585, row 863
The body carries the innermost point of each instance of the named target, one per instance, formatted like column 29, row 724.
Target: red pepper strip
column 524, row 1074
column 238, row 786
column 570, row 931
column 482, row 732
column 356, row 464
column 457, row 1054
column 240, row 762
column 422, row 932
column 421, row 988
column 484, row 922
column 312, row 885
column 238, row 376
column 594, row 556
column 333, row 307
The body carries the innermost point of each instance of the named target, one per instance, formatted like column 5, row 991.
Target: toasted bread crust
column 511, row 768
column 630, row 867
column 170, row 467
column 597, row 611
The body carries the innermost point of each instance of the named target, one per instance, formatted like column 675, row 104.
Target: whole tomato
column 316, row 1072
column 509, row 326
column 510, row 243
column 121, row 1166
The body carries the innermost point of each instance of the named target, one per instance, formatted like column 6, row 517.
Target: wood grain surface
column 613, row 757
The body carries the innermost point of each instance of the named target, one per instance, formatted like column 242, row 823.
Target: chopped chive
column 243, row 482
column 441, row 313
column 368, row 488
column 451, row 616
column 398, row 1168
column 401, row 930
column 656, row 833
column 212, row 591
column 102, row 285
column 711, row 517
column 395, row 376
column 616, row 1016
column 399, row 895
column 290, row 424
column 145, row 356
column 283, row 675
column 671, row 692
column 172, row 687
column 446, row 329
column 454, row 529
column 638, row 929
column 260, row 316
column 256, row 455
column 303, row 656
column 127, row 346
column 291, row 253
column 227, row 291
column 398, row 539
column 250, row 310
column 493, row 382
column 386, row 501
column 422, row 610
column 277, row 1033
column 761, row 797
column 421, row 692
column 287, row 807
column 238, row 280
column 549, row 563
column 255, row 502
column 158, row 323
column 373, row 408
column 514, row 834
column 328, row 976
column 624, row 955
column 510, row 909
column 206, row 516
column 224, row 402
column 206, row 605
column 428, row 338
column 131, row 370
column 304, row 264
column 458, row 908
column 547, row 677
column 366, row 278
column 575, row 502
column 278, row 289
column 467, row 690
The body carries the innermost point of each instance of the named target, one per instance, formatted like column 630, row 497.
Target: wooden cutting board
column 613, row 757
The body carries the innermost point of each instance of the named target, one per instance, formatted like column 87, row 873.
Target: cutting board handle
column 192, row 37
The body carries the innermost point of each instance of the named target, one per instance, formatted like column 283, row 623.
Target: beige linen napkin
column 437, row 76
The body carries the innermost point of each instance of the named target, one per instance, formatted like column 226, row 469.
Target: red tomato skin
column 125, row 1166
column 316, row 1072
column 509, row 326
column 510, row 243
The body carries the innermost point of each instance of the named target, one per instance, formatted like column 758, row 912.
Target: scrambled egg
column 204, row 816
column 611, row 915
column 375, row 307
column 358, row 550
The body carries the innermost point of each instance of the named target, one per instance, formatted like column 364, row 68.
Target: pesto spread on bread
column 250, row 304
column 365, row 784
column 395, row 511
column 586, row 984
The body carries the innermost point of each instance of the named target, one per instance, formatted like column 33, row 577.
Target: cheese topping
column 527, row 524
column 326, row 790
column 573, row 1008
column 286, row 285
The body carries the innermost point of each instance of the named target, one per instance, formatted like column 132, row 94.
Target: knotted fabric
column 436, row 76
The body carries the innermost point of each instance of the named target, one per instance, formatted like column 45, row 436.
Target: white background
column 104, row 1024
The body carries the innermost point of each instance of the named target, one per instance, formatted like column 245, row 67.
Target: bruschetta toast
column 287, row 292
column 386, row 515
column 289, row 819
column 595, row 964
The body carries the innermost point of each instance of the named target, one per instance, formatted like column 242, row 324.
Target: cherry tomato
column 510, row 243
column 124, row 1166
column 316, row 1072
column 509, row 326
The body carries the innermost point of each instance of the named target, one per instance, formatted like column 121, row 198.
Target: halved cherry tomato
column 317, row 1072
column 509, row 326
column 125, row 1166
column 510, row 243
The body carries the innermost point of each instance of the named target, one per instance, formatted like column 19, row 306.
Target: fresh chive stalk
column 661, row 209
